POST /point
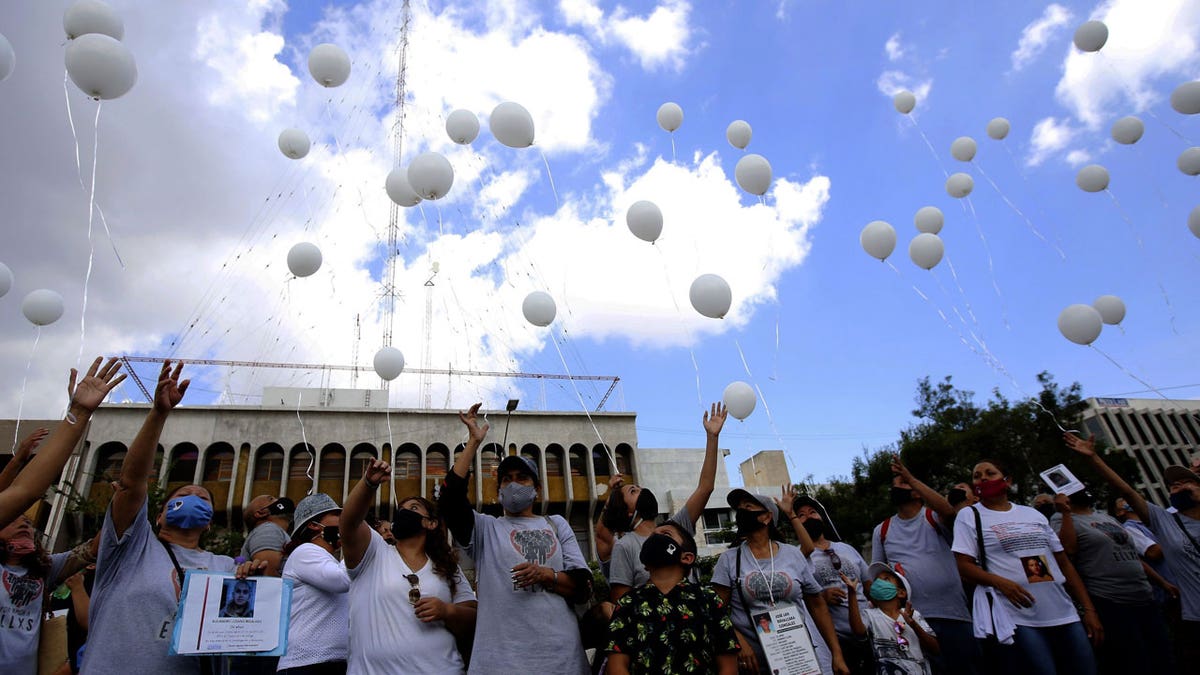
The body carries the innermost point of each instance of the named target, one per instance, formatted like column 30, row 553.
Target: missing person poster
column 219, row 614
column 786, row 642
column 1061, row 480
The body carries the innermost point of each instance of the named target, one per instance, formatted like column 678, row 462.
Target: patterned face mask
column 516, row 497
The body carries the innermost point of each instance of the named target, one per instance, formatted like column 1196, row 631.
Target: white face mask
column 516, row 497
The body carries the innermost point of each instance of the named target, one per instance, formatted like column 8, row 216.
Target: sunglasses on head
column 900, row 639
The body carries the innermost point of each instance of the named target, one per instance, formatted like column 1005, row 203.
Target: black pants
column 327, row 668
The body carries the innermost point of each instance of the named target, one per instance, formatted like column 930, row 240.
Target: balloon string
column 550, row 176
column 929, row 145
column 1157, row 191
column 775, row 358
column 978, row 340
column 937, row 309
column 1144, row 383
column 87, row 278
column 1112, row 68
column 682, row 324
column 21, row 402
column 962, row 293
column 1141, row 247
column 79, row 171
column 991, row 266
column 611, row 461
column 1028, row 222
column 672, row 148
column 387, row 414
column 766, row 406
column 312, row 458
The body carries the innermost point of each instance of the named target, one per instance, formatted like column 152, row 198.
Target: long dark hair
column 36, row 564
column 437, row 545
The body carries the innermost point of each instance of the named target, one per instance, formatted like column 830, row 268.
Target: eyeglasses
column 834, row 559
column 414, row 593
column 900, row 639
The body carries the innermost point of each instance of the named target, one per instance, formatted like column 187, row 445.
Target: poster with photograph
column 219, row 614
column 1061, row 480
column 786, row 642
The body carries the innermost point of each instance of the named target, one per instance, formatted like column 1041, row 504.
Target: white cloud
column 894, row 50
column 892, row 81
column 1078, row 157
column 1037, row 35
column 660, row 39
column 1148, row 42
column 1049, row 136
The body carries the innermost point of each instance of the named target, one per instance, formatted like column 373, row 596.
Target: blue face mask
column 189, row 512
column 882, row 589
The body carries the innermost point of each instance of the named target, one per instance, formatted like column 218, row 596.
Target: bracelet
column 373, row 486
column 554, row 580
column 793, row 516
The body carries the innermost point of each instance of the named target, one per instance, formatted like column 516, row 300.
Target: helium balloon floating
column 92, row 16
column 1186, row 98
column 878, row 239
column 739, row 399
column 539, row 309
column 398, row 189
column 6, row 280
column 8, row 58
column 462, row 126
column 904, row 101
column 753, row 174
column 1194, row 221
column 1080, row 324
column 1189, row 161
column 1092, row 178
column 929, row 219
column 738, row 134
column 304, row 259
column 389, row 363
column 669, row 116
column 1128, row 130
column 998, row 128
column 294, row 143
column 959, row 185
column 42, row 307
column 1091, row 36
column 101, row 66
column 926, row 250
column 430, row 175
column 512, row 125
column 711, row 296
column 963, row 148
column 329, row 65
column 1111, row 308
column 645, row 220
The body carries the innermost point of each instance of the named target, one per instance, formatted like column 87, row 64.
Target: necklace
column 771, row 579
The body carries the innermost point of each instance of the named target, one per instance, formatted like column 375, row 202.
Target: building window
column 719, row 526
column 359, row 463
column 269, row 466
column 408, row 466
column 300, row 466
column 578, row 467
column 435, row 463
column 553, row 463
column 218, row 466
column 333, row 465
column 110, row 467
column 183, row 467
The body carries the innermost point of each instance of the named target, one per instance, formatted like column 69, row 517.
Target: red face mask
column 21, row 547
column 991, row 488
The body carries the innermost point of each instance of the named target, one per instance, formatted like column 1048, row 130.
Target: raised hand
column 170, row 390
column 1062, row 504
column 787, row 499
column 1085, row 447
column 714, row 419
column 377, row 473
column 851, row 584
column 91, row 391
column 476, row 429
column 899, row 469
column 30, row 444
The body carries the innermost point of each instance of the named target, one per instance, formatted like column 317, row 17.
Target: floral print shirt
column 682, row 631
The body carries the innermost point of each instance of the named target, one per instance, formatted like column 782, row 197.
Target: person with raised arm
column 32, row 481
column 528, row 568
column 139, row 573
column 410, row 600
column 21, row 456
column 632, row 511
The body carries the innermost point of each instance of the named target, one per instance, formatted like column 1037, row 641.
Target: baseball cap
column 739, row 495
column 876, row 568
column 1176, row 472
column 519, row 463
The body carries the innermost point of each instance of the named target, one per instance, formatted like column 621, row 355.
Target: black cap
column 519, row 463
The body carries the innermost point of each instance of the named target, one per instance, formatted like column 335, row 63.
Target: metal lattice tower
column 354, row 354
column 427, row 354
column 389, row 289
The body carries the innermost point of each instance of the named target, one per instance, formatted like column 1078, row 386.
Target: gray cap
column 738, row 495
column 518, row 463
column 312, row 506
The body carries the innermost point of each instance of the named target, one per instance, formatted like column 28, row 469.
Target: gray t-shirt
column 1182, row 558
column 524, row 630
column 1107, row 559
column 921, row 547
column 265, row 537
column 627, row 567
column 827, row 564
column 134, row 601
column 21, row 615
column 791, row 578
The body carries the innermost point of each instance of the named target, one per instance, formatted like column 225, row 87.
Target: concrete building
column 766, row 470
column 1156, row 433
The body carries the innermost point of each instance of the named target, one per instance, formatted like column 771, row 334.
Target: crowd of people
column 964, row 582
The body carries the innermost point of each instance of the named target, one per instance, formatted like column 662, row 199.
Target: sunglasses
column 414, row 593
column 900, row 639
column 834, row 559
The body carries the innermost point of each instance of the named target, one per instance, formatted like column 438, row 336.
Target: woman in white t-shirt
column 317, row 642
column 1028, row 576
column 408, row 602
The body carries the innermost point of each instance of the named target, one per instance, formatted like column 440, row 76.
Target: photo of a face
column 237, row 598
column 1036, row 570
column 763, row 623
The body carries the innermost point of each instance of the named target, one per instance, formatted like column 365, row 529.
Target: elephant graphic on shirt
column 21, row 589
column 536, row 546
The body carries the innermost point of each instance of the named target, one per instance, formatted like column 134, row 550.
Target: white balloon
column 998, row 128
column 85, row 17
column 1092, row 178
column 329, row 65
column 878, row 239
column 512, row 125
column 1186, row 98
column 1111, row 308
column 101, row 66
column 1128, row 130
column 929, row 219
column 8, row 58
column 669, row 116
column 304, row 259
column 6, row 280
column 462, row 126
column 959, row 185
column 753, row 174
column 1189, row 161
column 430, row 175
column 926, row 250
column 42, row 307
column 294, row 143
column 738, row 134
column 645, row 220
column 739, row 399
column 1194, row 221
column 539, row 308
column 1091, row 36
column 904, row 101
column 389, row 363
column 1080, row 324
column 711, row 296
column 963, row 148
column 399, row 190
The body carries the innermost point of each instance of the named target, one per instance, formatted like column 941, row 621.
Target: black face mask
column 747, row 521
column 1046, row 509
column 815, row 528
column 332, row 535
column 901, row 496
column 407, row 523
column 956, row 496
column 1182, row 501
column 660, row 550
column 647, row 505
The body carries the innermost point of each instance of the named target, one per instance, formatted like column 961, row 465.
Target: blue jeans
column 1053, row 650
column 959, row 649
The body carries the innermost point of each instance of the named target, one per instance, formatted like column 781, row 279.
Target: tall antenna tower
column 354, row 354
column 427, row 355
column 389, row 289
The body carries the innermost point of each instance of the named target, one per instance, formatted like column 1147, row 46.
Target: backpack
column 883, row 529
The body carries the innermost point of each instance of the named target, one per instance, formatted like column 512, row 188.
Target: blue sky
column 810, row 77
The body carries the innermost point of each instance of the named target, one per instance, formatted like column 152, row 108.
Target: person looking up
column 318, row 633
column 267, row 520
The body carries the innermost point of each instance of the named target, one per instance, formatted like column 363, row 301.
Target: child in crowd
column 899, row 637
column 671, row 625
